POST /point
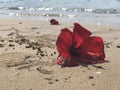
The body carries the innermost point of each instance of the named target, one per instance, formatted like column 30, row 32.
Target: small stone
column 2, row 40
column 23, row 39
column 42, row 54
column 20, row 22
column 26, row 57
column 88, row 68
column 33, row 47
column 66, row 78
column 1, row 45
column 93, row 84
column 10, row 40
column 16, row 41
column 91, row 77
column 51, row 54
column 39, row 49
column 34, row 28
column 28, row 46
column 118, row 46
column 49, row 79
column 107, row 46
column 54, row 52
column 37, row 53
column 56, row 80
column 40, row 58
column 20, row 43
column 11, row 45
column 50, row 82
column 37, row 32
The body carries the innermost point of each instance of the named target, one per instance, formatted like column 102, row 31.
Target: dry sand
column 27, row 54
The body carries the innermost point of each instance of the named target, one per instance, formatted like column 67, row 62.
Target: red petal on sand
column 94, row 47
column 91, row 50
column 54, row 22
column 64, row 43
column 79, row 34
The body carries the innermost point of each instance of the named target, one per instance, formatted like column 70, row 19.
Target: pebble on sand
column 91, row 77
column 118, row 46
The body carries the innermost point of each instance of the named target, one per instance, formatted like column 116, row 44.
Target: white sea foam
column 11, row 14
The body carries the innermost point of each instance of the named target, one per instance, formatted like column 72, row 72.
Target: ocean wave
column 52, row 15
column 12, row 8
column 33, row 14
column 102, row 11
column 39, row 15
column 90, row 10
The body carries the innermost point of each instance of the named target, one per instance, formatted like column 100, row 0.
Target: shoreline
column 28, row 54
column 108, row 19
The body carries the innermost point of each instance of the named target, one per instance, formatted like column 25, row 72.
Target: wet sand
column 28, row 53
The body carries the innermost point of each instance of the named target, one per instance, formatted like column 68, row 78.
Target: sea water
column 99, row 12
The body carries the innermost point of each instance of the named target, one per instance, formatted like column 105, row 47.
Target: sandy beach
column 28, row 54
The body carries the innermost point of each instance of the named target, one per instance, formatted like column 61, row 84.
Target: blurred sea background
column 100, row 12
